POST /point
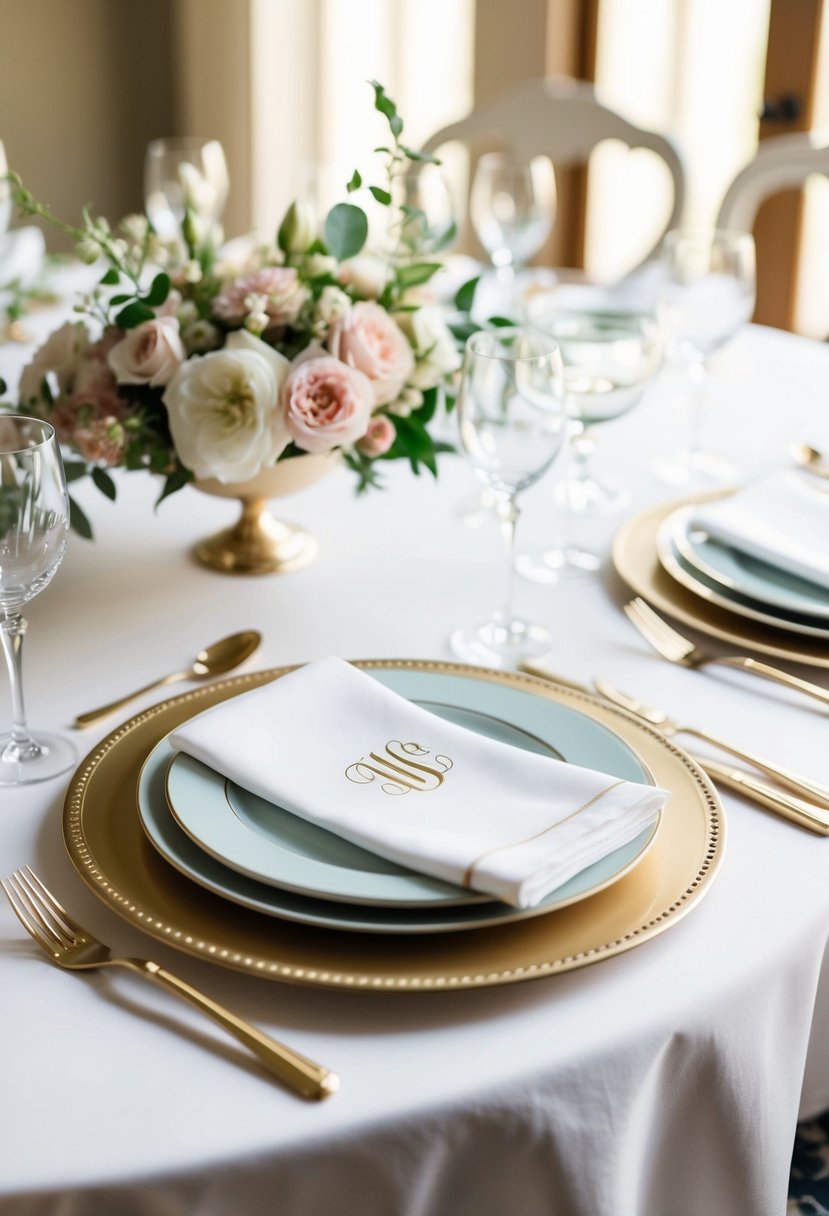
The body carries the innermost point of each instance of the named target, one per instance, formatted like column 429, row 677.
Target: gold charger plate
column 636, row 561
column 106, row 844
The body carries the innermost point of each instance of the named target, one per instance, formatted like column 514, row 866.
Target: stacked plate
column 252, row 852
column 211, row 869
column 738, row 582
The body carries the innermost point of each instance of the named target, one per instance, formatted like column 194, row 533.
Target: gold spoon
column 214, row 660
column 809, row 458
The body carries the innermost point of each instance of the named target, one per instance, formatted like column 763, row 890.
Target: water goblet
column 512, row 205
column 609, row 359
column 34, row 521
column 184, row 175
column 706, row 294
column 512, row 421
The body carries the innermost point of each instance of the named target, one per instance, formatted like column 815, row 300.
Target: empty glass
column 34, row 521
column 609, row 359
column 181, row 174
column 422, row 222
column 512, row 205
column 512, row 420
column 706, row 294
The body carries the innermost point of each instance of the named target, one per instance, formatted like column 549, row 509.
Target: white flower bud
column 88, row 250
column 333, row 303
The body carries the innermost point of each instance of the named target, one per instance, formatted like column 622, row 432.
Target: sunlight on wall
column 692, row 69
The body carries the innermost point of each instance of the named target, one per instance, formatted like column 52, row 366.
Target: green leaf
column 346, row 229
column 382, row 102
column 355, row 183
column 462, row 330
column 421, row 272
column 134, row 314
column 104, row 483
column 159, row 290
column 111, row 278
column 446, row 237
column 74, row 469
column 78, row 522
column 430, row 401
column 122, row 297
column 425, row 157
column 381, row 195
column 465, row 296
column 176, row 481
column 3, row 385
column 395, row 125
column 501, row 322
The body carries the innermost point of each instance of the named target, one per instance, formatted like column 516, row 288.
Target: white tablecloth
column 664, row 1082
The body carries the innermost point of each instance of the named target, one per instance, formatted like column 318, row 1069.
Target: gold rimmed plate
column 636, row 561
column 107, row 845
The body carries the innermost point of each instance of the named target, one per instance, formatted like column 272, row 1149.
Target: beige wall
column 84, row 84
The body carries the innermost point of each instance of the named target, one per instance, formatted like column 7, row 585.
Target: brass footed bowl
column 258, row 543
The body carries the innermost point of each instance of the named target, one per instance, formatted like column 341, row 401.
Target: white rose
column 224, row 410
column 436, row 351
column 367, row 275
column 318, row 264
column 149, row 354
column 332, row 304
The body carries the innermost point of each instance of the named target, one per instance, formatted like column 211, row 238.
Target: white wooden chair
column 782, row 161
column 564, row 120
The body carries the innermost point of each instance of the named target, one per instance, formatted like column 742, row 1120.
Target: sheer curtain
column 312, row 115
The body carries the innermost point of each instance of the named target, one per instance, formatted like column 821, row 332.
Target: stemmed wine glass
column 706, row 294
column 512, row 419
column 423, row 221
column 609, row 359
column 34, row 521
column 512, row 205
column 184, row 174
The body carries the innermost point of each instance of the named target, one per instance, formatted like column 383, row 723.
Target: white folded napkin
column 782, row 519
column 336, row 747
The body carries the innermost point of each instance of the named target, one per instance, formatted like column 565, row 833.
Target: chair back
column 782, row 161
column 562, row 119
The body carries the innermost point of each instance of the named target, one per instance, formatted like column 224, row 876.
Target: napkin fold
column 334, row 746
column 782, row 519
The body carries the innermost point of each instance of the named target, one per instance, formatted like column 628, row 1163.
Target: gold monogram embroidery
column 398, row 771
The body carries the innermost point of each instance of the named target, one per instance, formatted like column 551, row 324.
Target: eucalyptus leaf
column 346, row 230
column 104, row 483
column 381, row 195
column 421, row 272
column 78, row 522
column 465, row 296
column 134, row 314
column 425, row 157
column 355, row 183
column 159, row 290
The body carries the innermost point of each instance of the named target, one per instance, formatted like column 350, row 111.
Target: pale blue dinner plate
column 381, row 897
column 742, row 583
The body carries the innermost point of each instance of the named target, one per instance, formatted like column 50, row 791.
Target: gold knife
column 803, row 813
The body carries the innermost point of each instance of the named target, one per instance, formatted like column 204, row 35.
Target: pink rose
column 369, row 340
column 102, row 442
column 58, row 355
column 279, row 285
column 149, row 354
column 379, row 437
column 327, row 404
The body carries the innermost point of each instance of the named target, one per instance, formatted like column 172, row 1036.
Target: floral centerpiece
column 194, row 365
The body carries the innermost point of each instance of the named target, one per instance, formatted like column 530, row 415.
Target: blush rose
column 326, row 404
column 368, row 339
column 149, row 354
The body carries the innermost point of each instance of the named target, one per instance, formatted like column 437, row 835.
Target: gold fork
column 668, row 726
column 678, row 649
column 73, row 947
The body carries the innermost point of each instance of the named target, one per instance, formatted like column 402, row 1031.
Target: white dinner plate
column 428, row 906
column 718, row 574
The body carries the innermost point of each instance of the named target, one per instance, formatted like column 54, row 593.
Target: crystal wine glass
column 705, row 296
column 422, row 223
column 184, row 174
column 609, row 359
column 512, row 205
column 34, row 521
column 512, row 419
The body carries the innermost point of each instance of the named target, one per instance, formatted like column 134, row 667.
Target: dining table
column 663, row 1077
